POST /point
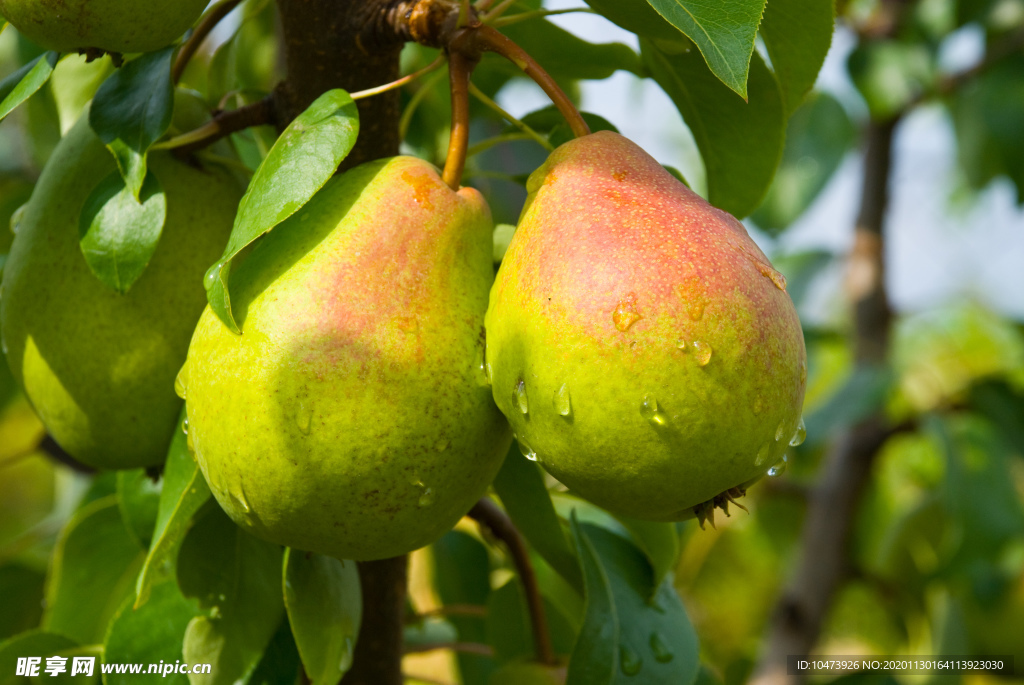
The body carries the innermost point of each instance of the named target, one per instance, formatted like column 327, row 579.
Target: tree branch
column 379, row 649
column 223, row 124
column 488, row 513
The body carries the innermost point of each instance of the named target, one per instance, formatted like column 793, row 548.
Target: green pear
column 352, row 416
column 109, row 25
column 99, row 366
column 643, row 348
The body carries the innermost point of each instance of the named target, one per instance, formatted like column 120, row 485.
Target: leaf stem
column 398, row 83
column 482, row 97
column 208, row 22
column 536, row 14
column 489, row 514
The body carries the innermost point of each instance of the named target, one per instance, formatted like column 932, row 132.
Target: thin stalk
column 414, row 103
column 479, row 95
column 487, row 144
column 208, row 22
column 536, row 14
column 499, row 10
column 460, row 67
column 398, row 83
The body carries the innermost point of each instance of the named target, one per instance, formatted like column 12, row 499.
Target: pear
column 352, row 416
column 99, row 366
column 643, row 348
column 109, row 25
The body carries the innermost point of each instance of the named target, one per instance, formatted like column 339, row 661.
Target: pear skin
column 99, row 366
column 643, row 348
column 352, row 415
column 111, row 25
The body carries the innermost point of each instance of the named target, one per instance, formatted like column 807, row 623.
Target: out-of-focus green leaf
column 302, row 160
column 183, row 492
column 150, row 634
column 595, row 658
column 800, row 270
column 119, row 234
column 988, row 116
column 22, row 590
column 324, row 606
column 1004, row 406
column 890, row 75
column 20, row 85
column 566, row 57
column 863, row 393
column 658, row 541
column 798, row 34
column 237, row 580
column 740, row 143
column 520, row 486
column 138, row 497
column 521, row 673
column 91, row 574
column 818, row 136
column 462, row 572
column 132, row 109
column 723, row 30
column 280, row 662
column 509, row 629
column 35, row 643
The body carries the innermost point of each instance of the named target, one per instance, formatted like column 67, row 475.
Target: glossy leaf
column 237, row 580
column 324, row 606
column 138, row 497
column 740, row 143
column 568, row 57
column 119, row 234
column 132, row 109
column 798, row 34
column 183, row 492
column 150, row 634
column 595, row 658
column 302, row 160
column 723, row 31
column 22, row 84
column 92, row 572
column 33, row 643
column 818, row 136
column 520, row 485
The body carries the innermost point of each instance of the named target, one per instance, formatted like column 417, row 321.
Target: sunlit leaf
column 20, row 85
column 798, row 34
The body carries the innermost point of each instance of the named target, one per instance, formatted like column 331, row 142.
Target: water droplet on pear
column 702, row 352
column 520, row 396
column 181, row 382
column 649, row 410
column 562, row 401
column 626, row 314
column 779, row 468
column 800, row 435
column 304, row 418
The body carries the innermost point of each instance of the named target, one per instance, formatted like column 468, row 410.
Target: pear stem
column 398, row 83
column 208, row 22
column 489, row 514
column 459, row 68
column 486, row 38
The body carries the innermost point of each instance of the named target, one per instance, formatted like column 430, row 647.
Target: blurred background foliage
column 937, row 564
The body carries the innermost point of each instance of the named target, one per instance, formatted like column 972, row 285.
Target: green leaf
column 520, row 486
column 237, row 578
column 325, row 606
column 1000, row 403
column 863, row 393
column 890, row 75
column 509, row 629
column 595, row 658
column 567, row 57
column 119, row 234
column 798, row 34
column 138, row 497
column 741, row 143
column 23, row 83
column 92, row 572
column 658, row 541
column 818, row 136
column 657, row 644
column 36, row 643
column 132, row 109
column 22, row 590
column 302, row 160
column 150, row 634
column 638, row 17
column 183, row 492
column 462, row 570
column 723, row 31
column 280, row 662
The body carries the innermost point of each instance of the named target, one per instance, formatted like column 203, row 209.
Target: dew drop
column 16, row 218
column 625, row 315
column 3, row 344
column 695, row 309
column 780, row 432
column 481, row 370
column 762, row 454
column 649, row 410
column 629, row 660
column 681, row 344
column 239, row 499
column 779, row 468
column 803, row 372
column 184, row 426
column 426, row 497
column 660, row 650
column 346, row 655
column 181, row 382
column 212, row 274
column 562, row 401
column 303, row 418
column 525, row 448
column 520, row 396
column 800, row 435
column 703, row 352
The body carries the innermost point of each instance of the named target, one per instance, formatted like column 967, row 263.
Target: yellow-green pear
column 109, row 25
column 352, row 417
column 643, row 348
column 99, row 366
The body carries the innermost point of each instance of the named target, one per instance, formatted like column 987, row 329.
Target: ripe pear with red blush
column 643, row 348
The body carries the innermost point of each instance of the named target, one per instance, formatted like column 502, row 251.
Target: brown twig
column 460, row 68
column 489, row 514
column 223, row 124
column 202, row 30
column 378, row 654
